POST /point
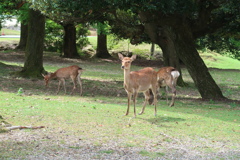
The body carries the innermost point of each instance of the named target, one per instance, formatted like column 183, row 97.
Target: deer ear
column 43, row 75
column 133, row 57
column 120, row 56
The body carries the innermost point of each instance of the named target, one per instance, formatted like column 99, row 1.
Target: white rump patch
column 175, row 74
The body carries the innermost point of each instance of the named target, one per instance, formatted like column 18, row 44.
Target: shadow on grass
column 159, row 121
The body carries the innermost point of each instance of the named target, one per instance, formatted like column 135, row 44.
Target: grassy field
column 5, row 31
column 93, row 126
column 94, row 123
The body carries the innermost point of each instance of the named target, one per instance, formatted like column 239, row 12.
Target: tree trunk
column 170, row 55
column 69, row 44
column 33, row 66
column 180, row 40
column 102, row 51
column 163, row 37
column 23, row 37
column 152, row 50
column 196, row 67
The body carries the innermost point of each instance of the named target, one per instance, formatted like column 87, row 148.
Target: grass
column 73, row 124
column 6, row 31
column 214, row 60
column 200, row 128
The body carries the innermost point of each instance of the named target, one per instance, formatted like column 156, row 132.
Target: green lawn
column 192, row 129
column 9, row 32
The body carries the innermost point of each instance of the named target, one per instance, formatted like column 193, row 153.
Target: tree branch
column 24, row 127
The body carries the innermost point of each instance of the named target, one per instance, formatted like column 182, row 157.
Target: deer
column 138, row 81
column 74, row 72
column 167, row 77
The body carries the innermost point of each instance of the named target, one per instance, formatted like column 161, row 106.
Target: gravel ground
column 45, row 144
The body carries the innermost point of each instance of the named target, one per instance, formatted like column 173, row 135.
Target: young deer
column 74, row 72
column 138, row 81
column 167, row 77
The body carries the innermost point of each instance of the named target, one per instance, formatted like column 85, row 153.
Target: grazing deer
column 138, row 81
column 74, row 72
column 167, row 77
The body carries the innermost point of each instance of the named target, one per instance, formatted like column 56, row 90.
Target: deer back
column 143, row 79
column 67, row 71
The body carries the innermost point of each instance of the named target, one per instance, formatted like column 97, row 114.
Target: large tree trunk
column 166, row 42
column 102, row 51
column 181, row 41
column 33, row 66
column 196, row 67
column 164, row 38
column 69, row 44
column 23, row 37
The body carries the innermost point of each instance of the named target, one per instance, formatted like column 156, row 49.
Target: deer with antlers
column 138, row 81
column 74, row 72
column 167, row 77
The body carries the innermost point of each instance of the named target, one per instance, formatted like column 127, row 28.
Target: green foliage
column 55, row 33
column 53, row 36
column 225, row 45
column 22, row 13
column 102, row 27
column 81, row 36
column 126, row 25
column 112, row 41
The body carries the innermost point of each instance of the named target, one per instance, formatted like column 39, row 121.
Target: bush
column 54, row 34
column 53, row 37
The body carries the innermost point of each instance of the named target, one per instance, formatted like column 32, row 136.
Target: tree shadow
column 162, row 120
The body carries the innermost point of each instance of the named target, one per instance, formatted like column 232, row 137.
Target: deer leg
column 64, row 86
column 59, row 85
column 170, row 83
column 134, row 102
column 173, row 95
column 80, row 85
column 74, row 84
column 129, row 102
column 147, row 96
column 166, row 91
column 154, row 91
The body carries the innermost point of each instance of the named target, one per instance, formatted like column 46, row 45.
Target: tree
column 127, row 24
column 69, row 42
column 102, row 31
column 23, row 37
column 22, row 14
column 19, row 9
column 66, row 14
column 33, row 66
column 187, row 20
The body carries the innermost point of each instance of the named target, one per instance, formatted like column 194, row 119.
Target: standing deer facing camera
column 74, row 72
column 138, row 81
column 167, row 77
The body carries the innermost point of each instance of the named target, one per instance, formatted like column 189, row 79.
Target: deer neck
column 53, row 75
column 126, row 77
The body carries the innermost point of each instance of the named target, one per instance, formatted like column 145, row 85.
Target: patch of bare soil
column 7, row 46
column 47, row 144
